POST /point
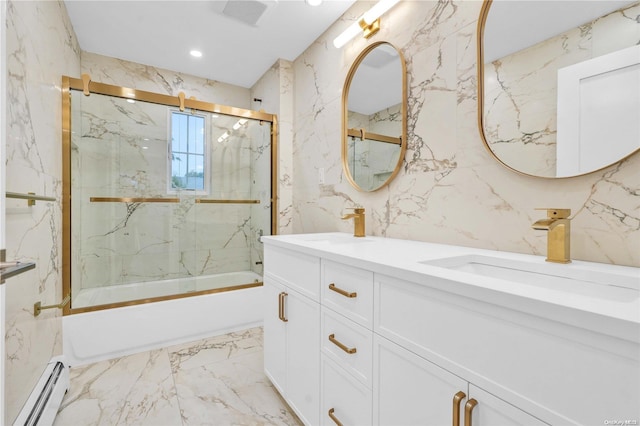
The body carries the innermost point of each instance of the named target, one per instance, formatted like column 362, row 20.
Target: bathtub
column 110, row 333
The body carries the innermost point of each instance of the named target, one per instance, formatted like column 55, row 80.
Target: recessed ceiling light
column 196, row 53
column 314, row 2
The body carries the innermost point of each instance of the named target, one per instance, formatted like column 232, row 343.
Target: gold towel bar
column 31, row 197
column 210, row 201
column 133, row 200
column 37, row 307
column 166, row 200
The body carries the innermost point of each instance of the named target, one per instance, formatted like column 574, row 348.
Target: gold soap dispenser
column 358, row 221
column 558, row 226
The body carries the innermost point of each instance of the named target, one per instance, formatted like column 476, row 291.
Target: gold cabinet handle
column 457, row 399
column 468, row 408
column 283, row 317
column 281, row 307
column 345, row 293
column 332, row 339
column 333, row 417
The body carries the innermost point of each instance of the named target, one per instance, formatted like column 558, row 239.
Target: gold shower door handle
column 457, row 399
column 332, row 339
column 345, row 293
column 468, row 409
column 334, row 418
column 281, row 301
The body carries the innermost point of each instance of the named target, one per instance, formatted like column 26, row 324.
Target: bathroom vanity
column 362, row 331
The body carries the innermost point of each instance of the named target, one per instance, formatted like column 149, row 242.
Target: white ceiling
column 161, row 33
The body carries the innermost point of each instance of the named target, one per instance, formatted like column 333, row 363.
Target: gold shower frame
column 87, row 86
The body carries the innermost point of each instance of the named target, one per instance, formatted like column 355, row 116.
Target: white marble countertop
column 612, row 309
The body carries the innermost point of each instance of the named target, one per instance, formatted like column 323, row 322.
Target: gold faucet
column 558, row 225
column 358, row 221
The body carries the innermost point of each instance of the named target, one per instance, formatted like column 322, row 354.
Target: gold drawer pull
column 468, row 408
column 334, row 418
column 345, row 293
column 457, row 399
column 332, row 339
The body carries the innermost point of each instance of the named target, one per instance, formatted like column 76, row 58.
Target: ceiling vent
column 250, row 12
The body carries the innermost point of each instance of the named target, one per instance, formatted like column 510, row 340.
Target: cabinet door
column 491, row 411
column 275, row 336
column 303, row 356
column 409, row 390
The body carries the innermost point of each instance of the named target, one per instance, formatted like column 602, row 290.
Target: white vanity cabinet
column 360, row 342
column 292, row 329
column 409, row 390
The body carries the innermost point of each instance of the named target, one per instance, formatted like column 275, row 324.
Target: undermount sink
column 572, row 278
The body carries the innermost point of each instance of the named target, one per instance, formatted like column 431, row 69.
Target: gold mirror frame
column 345, row 116
column 482, row 19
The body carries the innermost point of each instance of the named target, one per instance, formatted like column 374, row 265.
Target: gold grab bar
column 37, row 307
column 457, row 399
column 334, row 418
column 345, row 293
column 31, row 197
column 133, row 200
column 360, row 133
column 211, row 201
column 468, row 408
column 332, row 339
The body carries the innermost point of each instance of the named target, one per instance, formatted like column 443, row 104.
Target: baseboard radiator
column 45, row 399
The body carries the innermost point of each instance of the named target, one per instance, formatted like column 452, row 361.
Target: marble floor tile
column 216, row 381
column 218, row 348
column 230, row 392
column 132, row 390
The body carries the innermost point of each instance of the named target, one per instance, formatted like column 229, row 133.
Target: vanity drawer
column 348, row 401
column 350, row 345
column 348, row 291
column 298, row 271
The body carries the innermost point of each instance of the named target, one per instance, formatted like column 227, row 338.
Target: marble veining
column 450, row 189
column 215, row 381
column 35, row 62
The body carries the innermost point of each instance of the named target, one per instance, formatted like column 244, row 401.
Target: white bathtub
column 111, row 333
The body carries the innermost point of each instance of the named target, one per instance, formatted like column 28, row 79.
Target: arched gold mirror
column 559, row 84
column 374, row 111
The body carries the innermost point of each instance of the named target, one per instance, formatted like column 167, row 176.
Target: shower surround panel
column 121, row 150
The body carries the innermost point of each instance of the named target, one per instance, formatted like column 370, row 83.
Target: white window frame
column 207, row 154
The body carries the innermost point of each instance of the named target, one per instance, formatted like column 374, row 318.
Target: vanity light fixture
column 196, row 53
column 368, row 23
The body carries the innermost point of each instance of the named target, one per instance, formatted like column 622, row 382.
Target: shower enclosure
column 163, row 197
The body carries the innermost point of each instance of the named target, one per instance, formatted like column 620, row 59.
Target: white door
column 409, row 390
column 3, row 148
column 303, row 356
column 275, row 337
column 491, row 411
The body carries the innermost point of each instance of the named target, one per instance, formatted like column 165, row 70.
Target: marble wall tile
column 450, row 189
column 36, row 61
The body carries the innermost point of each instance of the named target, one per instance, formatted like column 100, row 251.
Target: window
column 188, row 147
